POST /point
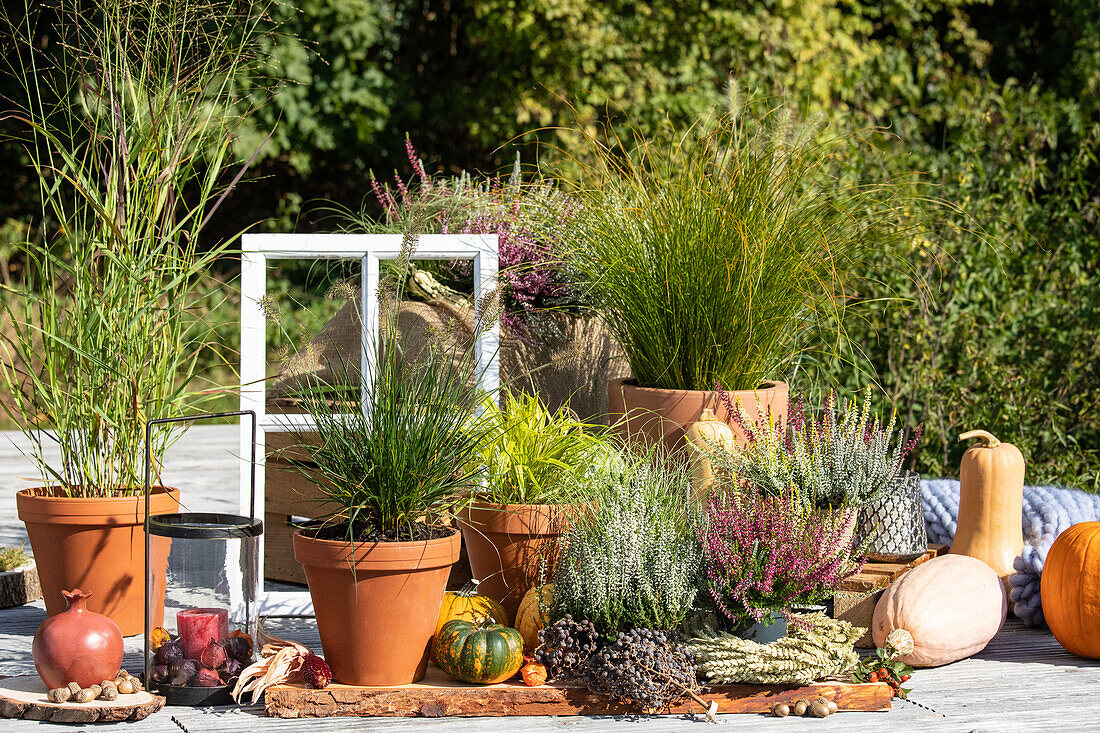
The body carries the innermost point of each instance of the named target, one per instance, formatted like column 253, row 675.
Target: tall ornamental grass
column 400, row 454
column 717, row 255
column 127, row 117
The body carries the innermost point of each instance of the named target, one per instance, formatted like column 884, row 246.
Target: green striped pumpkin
column 481, row 653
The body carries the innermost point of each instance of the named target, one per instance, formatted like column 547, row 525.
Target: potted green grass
column 126, row 117
column 396, row 461
column 715, row 256
column 531, row 460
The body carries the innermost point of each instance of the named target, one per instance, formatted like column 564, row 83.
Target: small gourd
column 469, row 605
column 991, row 500
column 479, row 653
column 531, row 615
column 703, row 436
column 1070, row 589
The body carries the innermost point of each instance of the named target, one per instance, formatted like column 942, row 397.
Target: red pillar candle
column 197, row 627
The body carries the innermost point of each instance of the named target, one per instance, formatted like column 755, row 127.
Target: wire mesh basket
column 893, row 527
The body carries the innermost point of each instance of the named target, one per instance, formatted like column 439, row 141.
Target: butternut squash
column 707, row 434
column 951, row 605
column 991, row 502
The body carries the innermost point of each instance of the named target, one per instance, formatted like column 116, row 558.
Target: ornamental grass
column 128, row 120
column 717, row 255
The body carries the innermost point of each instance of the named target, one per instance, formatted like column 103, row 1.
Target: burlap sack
column 572, row 369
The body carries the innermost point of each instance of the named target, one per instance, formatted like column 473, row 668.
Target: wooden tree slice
column 25, row 697
column 438, row 696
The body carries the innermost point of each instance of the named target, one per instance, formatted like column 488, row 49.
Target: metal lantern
column 208, row 592
column 893, row 527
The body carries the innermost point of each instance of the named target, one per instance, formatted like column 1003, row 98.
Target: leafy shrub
column 530, row 456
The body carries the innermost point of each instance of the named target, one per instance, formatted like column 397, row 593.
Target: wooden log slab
column 19, row 586
column 25, row 697
column 438, row 696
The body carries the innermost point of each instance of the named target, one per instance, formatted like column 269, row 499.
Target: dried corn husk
column 279, row 660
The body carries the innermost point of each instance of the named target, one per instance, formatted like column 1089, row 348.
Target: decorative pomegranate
column 77, row 645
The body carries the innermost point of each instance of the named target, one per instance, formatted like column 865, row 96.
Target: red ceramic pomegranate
column 77, row 645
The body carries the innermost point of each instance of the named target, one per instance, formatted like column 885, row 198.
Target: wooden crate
column 439, row 696
column 855, row 601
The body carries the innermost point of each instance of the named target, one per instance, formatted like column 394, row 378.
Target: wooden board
column 855, row 601
column 438, row 696
column 25, row 697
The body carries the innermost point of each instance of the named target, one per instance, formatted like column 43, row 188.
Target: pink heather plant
column 764, row 554
column 531, row 275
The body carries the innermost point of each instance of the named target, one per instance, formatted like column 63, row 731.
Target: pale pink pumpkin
column 953, row 605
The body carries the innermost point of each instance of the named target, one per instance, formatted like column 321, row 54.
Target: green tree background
column 996, row 103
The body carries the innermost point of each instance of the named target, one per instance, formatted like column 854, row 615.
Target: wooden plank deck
column 1023, row 681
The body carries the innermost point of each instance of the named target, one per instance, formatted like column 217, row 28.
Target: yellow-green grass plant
column 531, row 455
column 716, row 253
column 127, row 119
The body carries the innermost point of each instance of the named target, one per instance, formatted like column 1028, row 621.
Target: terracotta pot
column 653, row 416
column 98, row 545
column 77, row 645
column 505, row 543
column 376, row 621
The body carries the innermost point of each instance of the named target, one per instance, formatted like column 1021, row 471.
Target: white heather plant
column 846, row 458
column 633, row 561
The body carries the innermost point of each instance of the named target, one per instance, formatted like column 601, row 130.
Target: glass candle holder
column 209, row 596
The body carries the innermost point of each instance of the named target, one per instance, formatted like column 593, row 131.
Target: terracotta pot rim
column 532, row 520
column 377, row 556
column 31, row 494
column 32, row 507
column 766, row 385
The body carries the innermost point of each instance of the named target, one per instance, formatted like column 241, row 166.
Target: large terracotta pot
column 505, row 543
column 77, row 645
column 653, row 416
column 98, row 545
column 376, row 621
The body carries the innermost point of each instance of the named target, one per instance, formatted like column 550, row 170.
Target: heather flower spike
column 845, row 457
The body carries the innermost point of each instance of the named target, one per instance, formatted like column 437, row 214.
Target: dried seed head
column 899, row 643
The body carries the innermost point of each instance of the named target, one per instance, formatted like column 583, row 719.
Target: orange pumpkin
column 1070, row 589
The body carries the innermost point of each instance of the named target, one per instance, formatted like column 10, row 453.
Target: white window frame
column 256, row 250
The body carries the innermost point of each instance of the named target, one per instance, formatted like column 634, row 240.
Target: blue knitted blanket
column 1047, row 511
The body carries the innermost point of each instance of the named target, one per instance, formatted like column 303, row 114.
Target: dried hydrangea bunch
column 634, row 560
column 764, row 554
column 846, row 457
column 815, row 647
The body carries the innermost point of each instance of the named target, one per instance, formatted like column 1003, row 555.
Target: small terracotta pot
column 376, row 621
column 77, row 645
column 653, row 416
column 98, row 545
column 505, row 543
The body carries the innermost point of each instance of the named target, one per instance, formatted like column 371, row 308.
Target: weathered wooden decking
column 1024, row 681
